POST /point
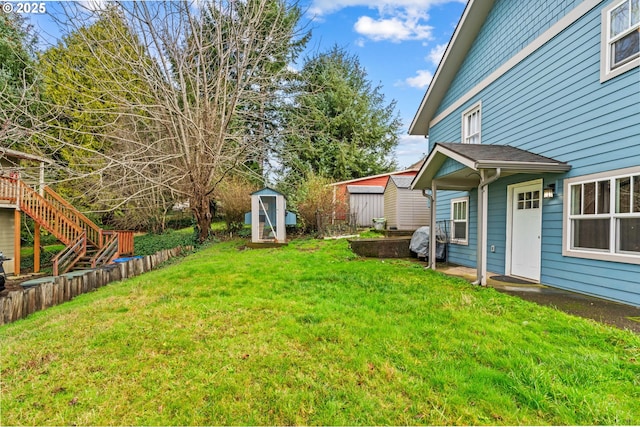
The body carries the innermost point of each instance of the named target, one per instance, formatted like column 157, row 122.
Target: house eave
column 524, row 167
column 468, row 27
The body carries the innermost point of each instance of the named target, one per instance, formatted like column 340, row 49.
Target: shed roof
column 402, row 181
column 365, row 189
column 267, row 191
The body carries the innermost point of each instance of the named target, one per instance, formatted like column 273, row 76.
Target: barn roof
column 365, row 189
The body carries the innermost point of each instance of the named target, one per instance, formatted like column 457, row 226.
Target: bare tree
column 166, row 94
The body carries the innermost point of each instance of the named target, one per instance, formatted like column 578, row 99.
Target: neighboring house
column 364, row 197
column 404, row 208
column 533, row 119
column 20, row 193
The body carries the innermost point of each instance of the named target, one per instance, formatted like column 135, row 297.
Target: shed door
column 526, row 227
column 366, row 207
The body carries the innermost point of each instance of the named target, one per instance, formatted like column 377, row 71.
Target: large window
column 604, row 217
column 620, row 38
column 460, row 220
column 471, row 125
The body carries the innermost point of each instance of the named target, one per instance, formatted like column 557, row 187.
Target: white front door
column 526, row 228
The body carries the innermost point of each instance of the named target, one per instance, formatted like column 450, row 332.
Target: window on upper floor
column 471, row 125
column 620, row 41
column 603, row 218
column 460, row 220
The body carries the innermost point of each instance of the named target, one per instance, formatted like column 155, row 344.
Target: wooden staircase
column 87, row 245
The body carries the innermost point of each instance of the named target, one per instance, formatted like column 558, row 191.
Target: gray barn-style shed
column 366, row 202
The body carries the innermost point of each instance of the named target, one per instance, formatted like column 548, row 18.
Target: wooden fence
column 19, row 304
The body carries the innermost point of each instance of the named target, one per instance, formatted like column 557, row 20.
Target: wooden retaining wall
column 19, row 304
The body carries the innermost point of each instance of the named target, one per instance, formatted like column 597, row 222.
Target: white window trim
column 603, row 255
column 606, row 72
column 475, row 108
column 454, row 240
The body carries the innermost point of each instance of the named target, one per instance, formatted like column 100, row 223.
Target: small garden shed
column 404, row 209
column 269, row 216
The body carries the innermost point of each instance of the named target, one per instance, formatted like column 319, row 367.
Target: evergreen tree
column 340, row 126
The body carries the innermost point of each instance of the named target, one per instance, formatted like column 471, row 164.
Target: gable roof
column 473, row 157
column 266, row 191
column 403, row 181
column 463, row 37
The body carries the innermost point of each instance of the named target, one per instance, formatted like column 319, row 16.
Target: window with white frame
column 620, row 45
column 471, row 125
column 460, row 220
column 604, row 218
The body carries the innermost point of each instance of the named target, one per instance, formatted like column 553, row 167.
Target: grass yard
column 311, row 334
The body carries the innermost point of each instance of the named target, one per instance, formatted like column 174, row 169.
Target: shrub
column 149, row 244
column 314, row 199
column 234, row 200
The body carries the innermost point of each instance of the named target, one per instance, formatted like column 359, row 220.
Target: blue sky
column 398, row 42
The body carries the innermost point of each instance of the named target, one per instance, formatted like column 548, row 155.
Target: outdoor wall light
column 549, row 191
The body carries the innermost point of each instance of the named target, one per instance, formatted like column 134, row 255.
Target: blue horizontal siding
column 498, row 39
column 459, row 254
column 553, row 104
column 449, row 166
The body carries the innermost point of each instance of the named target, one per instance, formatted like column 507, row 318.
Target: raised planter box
column 395, row 247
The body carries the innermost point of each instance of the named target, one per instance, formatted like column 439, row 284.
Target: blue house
column 533, row 123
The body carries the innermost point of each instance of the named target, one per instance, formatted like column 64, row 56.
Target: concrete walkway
column 612, row 313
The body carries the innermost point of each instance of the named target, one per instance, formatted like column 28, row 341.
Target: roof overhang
column 9, row 153
column 473, row 158
column 465, row 33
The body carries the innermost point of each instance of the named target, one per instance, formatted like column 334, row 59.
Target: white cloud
column 421, row 80
column 396, row 20
column 410, row 149
column 436, row 54
column 94, row 5
column 326, row 7
column 395, row 29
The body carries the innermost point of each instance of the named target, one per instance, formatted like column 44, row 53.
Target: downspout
column 432, row 216
column 481, row 247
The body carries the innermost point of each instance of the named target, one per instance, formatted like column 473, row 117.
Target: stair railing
column 109, row 250
column 47, row 215
column 70, row 255
column 67, row 224
column 8, row 190
column 94, row 235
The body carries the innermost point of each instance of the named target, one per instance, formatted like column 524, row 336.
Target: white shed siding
column 391, row 205
column 412, row 209
column 405, row 209
column 6, row 237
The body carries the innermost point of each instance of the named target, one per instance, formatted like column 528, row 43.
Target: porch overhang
column 9, row 153
column 469, row 159
column 466, row 166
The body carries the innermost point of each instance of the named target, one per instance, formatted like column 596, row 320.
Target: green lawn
column 311, row 334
